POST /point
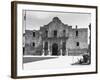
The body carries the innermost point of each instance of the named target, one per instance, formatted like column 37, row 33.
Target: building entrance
column 55, row 49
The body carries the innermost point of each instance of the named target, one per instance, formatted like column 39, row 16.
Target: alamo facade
column 55, row 39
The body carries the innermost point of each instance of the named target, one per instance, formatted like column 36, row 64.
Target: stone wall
column 82, row 38
column 29, row 40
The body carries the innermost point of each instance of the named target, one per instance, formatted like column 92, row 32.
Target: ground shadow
column 33, row 59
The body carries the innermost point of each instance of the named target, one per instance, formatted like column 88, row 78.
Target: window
column 33, row 34
column 46, row 33
column 64, row 32
column 76, row 33
column 55, row 33
column 33, row 44
column 77, row 43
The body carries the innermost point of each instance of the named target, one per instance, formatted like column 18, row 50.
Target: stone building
column 55, row 39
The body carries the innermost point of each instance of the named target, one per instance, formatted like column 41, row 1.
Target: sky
column 35, row 19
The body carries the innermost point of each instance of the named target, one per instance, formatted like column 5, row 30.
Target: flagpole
column 25, row 19
column 24, row 27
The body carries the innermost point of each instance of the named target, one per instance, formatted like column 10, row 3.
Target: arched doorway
column 55, row 49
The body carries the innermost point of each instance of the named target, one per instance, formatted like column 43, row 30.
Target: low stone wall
column 77, row 52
